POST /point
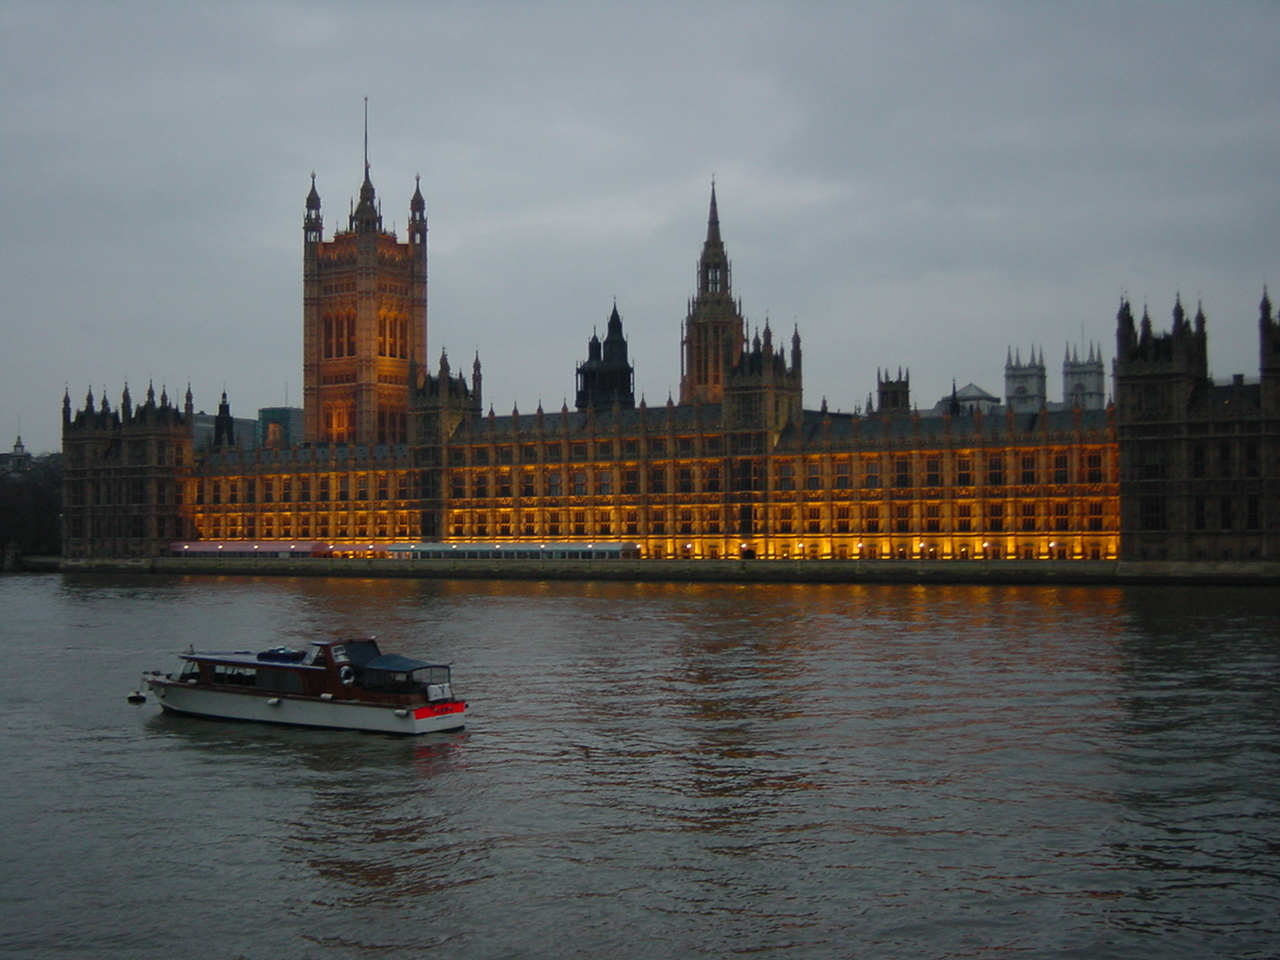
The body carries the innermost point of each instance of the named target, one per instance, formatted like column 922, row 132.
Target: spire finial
column 366, row 136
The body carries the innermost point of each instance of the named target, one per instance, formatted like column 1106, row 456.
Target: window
column 871, row 520
column 964, row 518
column 815, row 520
column 1226, row 515
column 932, row 517
column 630, row 481
column 1028, row 470
column 457, row 486
column 1093, row 466
column 712, row 482
column 995, row 471
column 1062, row 516
column 1151, row 514
column 504, row 524
column 1198, row 514
column 902, row 518
column 786, row 476
column 1028, row 516
column 604, row 483
column 813, row 475
column 553, row 483
column 872, row 473
column 527, row 488
column 480, row 485
column 686, row 520
column 713, row 520
column 842, row 519
column 553, row 523
column 579, row 480
column 1199, row 463
column 604, row 450
column 842, row 474
column 933, row 472
column 1060, row 468
column 1253, row 515
column 901, row 472
column 1151, row 462
column 579, row 523
column 995, row 517
column 964, row 471
column 1224, row 462
column 1251, row 459
column 658, row 522
column 657, row 480
column 631, row 523
column 1095, row 516
column 784, row 520
column 684, row 480
column 504, row 481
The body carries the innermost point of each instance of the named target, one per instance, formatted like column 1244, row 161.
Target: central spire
column 366, row 216
column 713, row 218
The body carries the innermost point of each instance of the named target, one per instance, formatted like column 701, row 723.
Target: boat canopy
column 394, row 663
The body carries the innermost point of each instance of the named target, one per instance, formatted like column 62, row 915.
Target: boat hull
column 195, row 700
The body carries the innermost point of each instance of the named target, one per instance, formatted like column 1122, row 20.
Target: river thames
column 649, row 770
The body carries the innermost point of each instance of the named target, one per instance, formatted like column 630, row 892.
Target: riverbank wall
column 1099, row 572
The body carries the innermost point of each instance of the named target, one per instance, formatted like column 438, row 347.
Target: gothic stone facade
column 737, row 468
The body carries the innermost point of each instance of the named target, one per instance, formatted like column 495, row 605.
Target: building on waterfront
column 1200, row 461
column 394, row 453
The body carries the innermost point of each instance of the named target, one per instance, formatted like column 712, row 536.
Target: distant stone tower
column 1024, row 384
column 364, row 306
column 607, row 379
column 1084, row 382
column 714, row 332
column 439, row 405
column 762, row 394
column 1269, row 356
column 893, row 394
column 123, row 476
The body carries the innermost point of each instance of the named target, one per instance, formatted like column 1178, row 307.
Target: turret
column 714, row 333
column 606, row 378
column 313, row 223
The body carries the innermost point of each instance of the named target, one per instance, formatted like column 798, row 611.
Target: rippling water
column 654, row 771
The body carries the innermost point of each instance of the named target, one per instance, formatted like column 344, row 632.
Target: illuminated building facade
column 736, row 468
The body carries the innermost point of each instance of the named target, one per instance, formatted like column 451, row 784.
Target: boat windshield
column 432, row 675
column 355, row 652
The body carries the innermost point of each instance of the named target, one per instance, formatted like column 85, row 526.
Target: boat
column 347, row 684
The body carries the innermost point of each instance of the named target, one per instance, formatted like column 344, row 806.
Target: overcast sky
column 920, row 185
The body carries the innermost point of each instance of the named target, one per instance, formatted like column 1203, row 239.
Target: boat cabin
column 345, row 668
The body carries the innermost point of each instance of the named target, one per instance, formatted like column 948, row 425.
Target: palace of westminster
column 1176, row 467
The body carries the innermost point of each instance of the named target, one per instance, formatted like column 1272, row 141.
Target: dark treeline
column 30, row 504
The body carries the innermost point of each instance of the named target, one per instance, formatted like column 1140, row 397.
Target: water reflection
column 651, row 769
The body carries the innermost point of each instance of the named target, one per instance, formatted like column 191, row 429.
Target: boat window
column 434, row 675
column 190, row 670
column 284, row 681
column 235, row 676
column 358, row 652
